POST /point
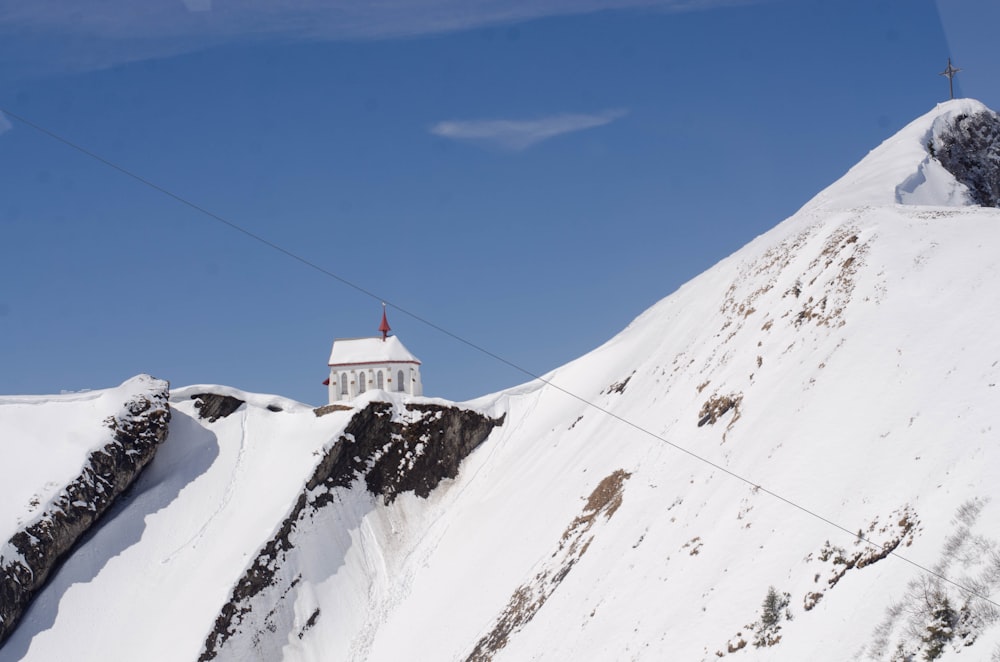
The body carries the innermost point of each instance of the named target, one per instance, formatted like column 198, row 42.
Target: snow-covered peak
column 903, row 169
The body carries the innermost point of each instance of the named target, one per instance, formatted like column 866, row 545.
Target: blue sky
column 528, row 175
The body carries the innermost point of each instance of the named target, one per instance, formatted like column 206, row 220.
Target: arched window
column 379, row 383
column 343, row 383
column 361, row 383
column 400, row 386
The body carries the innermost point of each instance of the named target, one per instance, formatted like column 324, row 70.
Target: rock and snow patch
column 968, row 146
column 962, row 165
column 390, row 448
column 180, row 539
column 225, row 400
column 529, row 598
column 948, row 157
column 110, row 435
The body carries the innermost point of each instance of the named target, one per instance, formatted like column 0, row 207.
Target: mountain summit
column 948, row 157
column 793, row 457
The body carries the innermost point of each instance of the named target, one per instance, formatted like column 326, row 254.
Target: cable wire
column 349, row 283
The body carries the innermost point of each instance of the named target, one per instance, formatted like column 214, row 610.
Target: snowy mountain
column 66, row 460
column 792, row 457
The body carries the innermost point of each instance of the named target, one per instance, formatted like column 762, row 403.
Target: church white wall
column 369, row 374
column 416, row 386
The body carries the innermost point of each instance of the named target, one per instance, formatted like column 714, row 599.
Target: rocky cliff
column 969, row 148
column 391, row 455
column 33, row 552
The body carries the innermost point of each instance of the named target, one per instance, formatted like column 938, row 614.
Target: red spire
column 384, row 326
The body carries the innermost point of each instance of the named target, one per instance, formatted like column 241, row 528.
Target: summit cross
column 950, row 73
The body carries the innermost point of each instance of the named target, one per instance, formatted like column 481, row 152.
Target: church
column 379, row 362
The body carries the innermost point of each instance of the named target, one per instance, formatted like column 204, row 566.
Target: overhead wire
column 359, row 288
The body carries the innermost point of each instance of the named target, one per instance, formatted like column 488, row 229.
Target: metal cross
column 950, row 73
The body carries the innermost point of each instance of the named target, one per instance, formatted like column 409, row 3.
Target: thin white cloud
column 520, row 134
column 5, row 124
column 95, row 33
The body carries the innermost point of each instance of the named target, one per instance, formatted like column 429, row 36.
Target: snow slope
column 847, row 361
column 46, row 441
column 859, row 339
column 148, row 583
column 100, row 447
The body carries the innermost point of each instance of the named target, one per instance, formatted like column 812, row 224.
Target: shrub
column 773, row 610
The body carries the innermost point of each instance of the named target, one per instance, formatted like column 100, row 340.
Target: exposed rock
column 970, row 150
column 717, row 405
column 532, row 595
column 107, row 473
column 619, row 387
column 214, row 406
column 329, row 409
column 392, row 456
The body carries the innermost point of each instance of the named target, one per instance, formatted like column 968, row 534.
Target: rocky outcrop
column 34, row 551
column 392, row 455
column 329, row 409
column 213, row 406
column 969, row 148
column 395, row 457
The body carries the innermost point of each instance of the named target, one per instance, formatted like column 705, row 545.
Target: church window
column 343, row 383
column 399, row 384
column 379, row 380
column 361, row 383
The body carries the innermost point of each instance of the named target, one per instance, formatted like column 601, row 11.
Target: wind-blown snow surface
column 848, row 361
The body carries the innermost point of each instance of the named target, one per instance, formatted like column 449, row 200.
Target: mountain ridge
column 846, row 360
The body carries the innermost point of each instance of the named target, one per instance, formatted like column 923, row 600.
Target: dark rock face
column 214, row 406
column 382, row 446
column 393, row 457
column 970, row 150
column 107, row 473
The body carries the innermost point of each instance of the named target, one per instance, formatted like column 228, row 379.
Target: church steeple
column 384, row 326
